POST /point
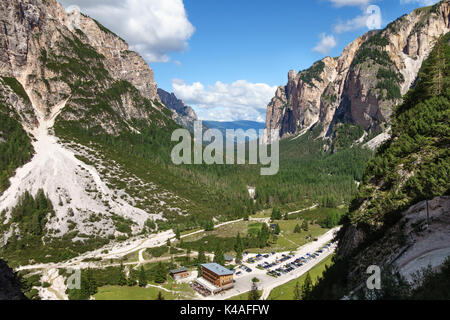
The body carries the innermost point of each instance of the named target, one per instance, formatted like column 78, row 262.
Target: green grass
column 288, row 240
column 130, row 293
column 227, row 231
column 243, row 296
column 182, row 291
column 316, row 214
column 286, row 291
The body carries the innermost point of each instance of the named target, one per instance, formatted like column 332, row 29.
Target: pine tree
column 263, row 236
column 142, row 277
column 122, row 278
column 277, row 229
column 239, row 248
column 161, row 273
column 178, row 234
column 297, row 292
column 254, row 294
column 305, row 226
column 307, row 287
column 199, row 270
column 297, row 229
column 160, row 296
column 201, row 255
column 276, row 214
column 219, row 255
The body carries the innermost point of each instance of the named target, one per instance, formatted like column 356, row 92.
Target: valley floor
column 115, row 252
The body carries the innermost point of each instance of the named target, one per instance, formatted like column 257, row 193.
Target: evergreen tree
column 254, row 294
column 297, row 292
column 142, row 277
column 277, row 229
column 178, row 234
column 219, row 255
column 307, row 286
column 305, row 226
column 160, row 273
column 239, row 248
column 122, row 278
column 263, row 236
column 160, row 296
column 132, row 279
column 188, row 255
column 276, row 214
column 297, row 229
column 199, row 270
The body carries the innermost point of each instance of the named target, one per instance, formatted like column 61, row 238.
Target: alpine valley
column 87, row 181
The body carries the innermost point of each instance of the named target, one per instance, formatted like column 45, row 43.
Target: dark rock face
column 10, row 286
column 184, row 115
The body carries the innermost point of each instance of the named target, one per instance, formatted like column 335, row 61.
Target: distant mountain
column 184, row 115
column 235, row 125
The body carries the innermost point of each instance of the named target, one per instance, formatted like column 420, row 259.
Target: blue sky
column 226, row 58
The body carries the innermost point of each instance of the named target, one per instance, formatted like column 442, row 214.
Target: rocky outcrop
column 296, row 107
column 183, row 115
column 364, row 84
column 10, row 286
column 121, row 63
column 419, row 239
column 14, row 98
column 53, row 54
column 63, row 75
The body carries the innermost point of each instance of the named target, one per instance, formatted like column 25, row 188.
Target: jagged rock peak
column 183, row 114
column 363, row 85
column 33, row 31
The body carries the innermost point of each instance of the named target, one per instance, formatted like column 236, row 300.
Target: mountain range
column 362, row 86
column 85, row 146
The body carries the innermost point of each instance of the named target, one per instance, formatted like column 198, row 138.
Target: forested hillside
column 411, row 167
column 15, row 144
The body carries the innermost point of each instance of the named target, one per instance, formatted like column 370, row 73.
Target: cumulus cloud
column 343, row 3
column 240, row 100
column 420, row 2
column 154, row 28
column 327, row 42
column 371, row 18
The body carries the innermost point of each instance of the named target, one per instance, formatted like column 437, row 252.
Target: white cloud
column 327, row 42
column 371, row 18
column 154, row 28
column 420, row 2
column 342, row 3
column 240, row 100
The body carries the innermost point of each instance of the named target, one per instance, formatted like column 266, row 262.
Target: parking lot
column 275, row 269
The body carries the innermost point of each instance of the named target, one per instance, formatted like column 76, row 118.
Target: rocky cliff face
column 401, row 212
column 183, row 114
column 419, row 240
column 52, row 53
column 64, row 76
column 364, row 84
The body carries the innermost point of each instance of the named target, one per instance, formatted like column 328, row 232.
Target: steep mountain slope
column 68, row 88
column 362, row 86
column 183, row 114
column 401, row 214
